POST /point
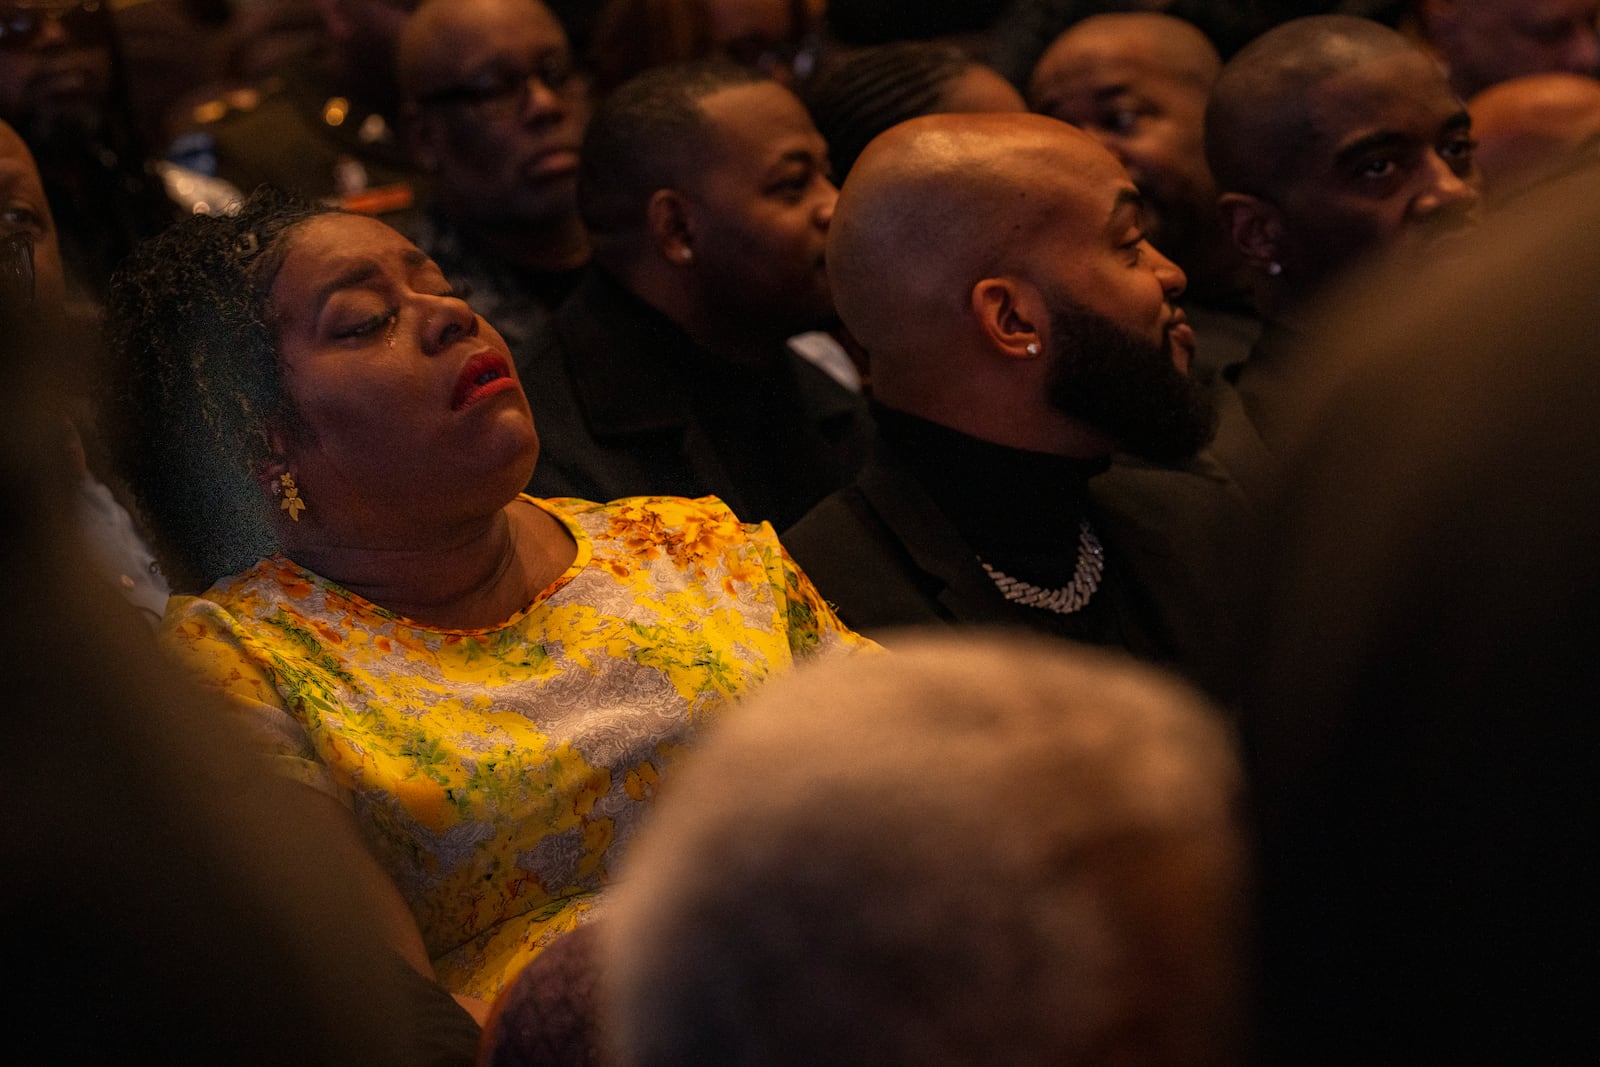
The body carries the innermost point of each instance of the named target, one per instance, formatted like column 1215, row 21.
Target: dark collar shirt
column 628, row 404
column 905, row 545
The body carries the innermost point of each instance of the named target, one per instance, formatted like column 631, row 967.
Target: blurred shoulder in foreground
column 1421, row 733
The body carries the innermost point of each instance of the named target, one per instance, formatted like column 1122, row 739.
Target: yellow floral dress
column 497, row 771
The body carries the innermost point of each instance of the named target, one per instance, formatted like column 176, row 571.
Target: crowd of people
column 802, row 531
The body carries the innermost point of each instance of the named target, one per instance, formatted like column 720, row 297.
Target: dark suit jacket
column 626, row 404
column 884, row 554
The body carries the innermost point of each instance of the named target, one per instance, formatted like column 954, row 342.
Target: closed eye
column 366, row 327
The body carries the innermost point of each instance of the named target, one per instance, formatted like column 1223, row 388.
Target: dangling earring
column 291, row 501
column 1274, row 268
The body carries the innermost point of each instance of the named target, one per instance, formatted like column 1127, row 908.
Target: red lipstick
column 483, row 376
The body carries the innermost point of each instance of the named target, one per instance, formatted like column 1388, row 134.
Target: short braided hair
column 867, row 91
column 199, row 387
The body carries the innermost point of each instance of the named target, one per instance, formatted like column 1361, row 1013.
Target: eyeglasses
column 21, row 24
column 509, row 91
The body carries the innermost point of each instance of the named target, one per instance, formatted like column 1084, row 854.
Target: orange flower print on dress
column 642, row 781
column 495, row 769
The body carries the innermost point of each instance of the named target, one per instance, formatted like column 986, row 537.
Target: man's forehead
column 1404, row 88
column 1099, row 59
column 757, row 115
column 464, row 37
column 1065, row 151
column 1087, row 186
column 13, row 165
column 16, row 162
column 731, row 99
column 19, row 181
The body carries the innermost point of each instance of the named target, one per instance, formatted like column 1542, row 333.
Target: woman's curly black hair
column 198, row 388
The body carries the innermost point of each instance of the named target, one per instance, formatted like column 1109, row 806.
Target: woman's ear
column 268, row 472
column 671, row 224
column 1011, row 315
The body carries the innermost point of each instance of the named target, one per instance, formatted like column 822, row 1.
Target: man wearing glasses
column 495, row 108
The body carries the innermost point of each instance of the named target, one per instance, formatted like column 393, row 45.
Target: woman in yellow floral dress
column 492, row 685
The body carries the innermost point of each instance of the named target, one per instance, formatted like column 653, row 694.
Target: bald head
column 996, row 270
column 1261, row 103
column 1160, row 42
column 939, row 202
column 443, row 39
column 1528, row 128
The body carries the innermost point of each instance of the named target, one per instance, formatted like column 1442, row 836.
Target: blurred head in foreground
column 211, row 924
column 1421, row 731
column 1484, row 42
column 1532, row 128
column 971, row 852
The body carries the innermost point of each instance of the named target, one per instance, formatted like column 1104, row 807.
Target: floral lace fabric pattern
column 496, row 772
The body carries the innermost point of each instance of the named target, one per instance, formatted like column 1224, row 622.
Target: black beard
column 1127, row 388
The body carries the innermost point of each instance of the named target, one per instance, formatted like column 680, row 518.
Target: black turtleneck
column 902, row 546
column 1018, row 510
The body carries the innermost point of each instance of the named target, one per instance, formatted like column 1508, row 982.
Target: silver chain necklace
column 1068, row 598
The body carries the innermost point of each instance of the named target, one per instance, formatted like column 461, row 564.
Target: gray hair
column 948, row 855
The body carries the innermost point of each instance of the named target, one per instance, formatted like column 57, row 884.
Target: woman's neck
column 472, row 581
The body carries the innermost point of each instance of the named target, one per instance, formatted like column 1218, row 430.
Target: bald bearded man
column 1021, row 329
